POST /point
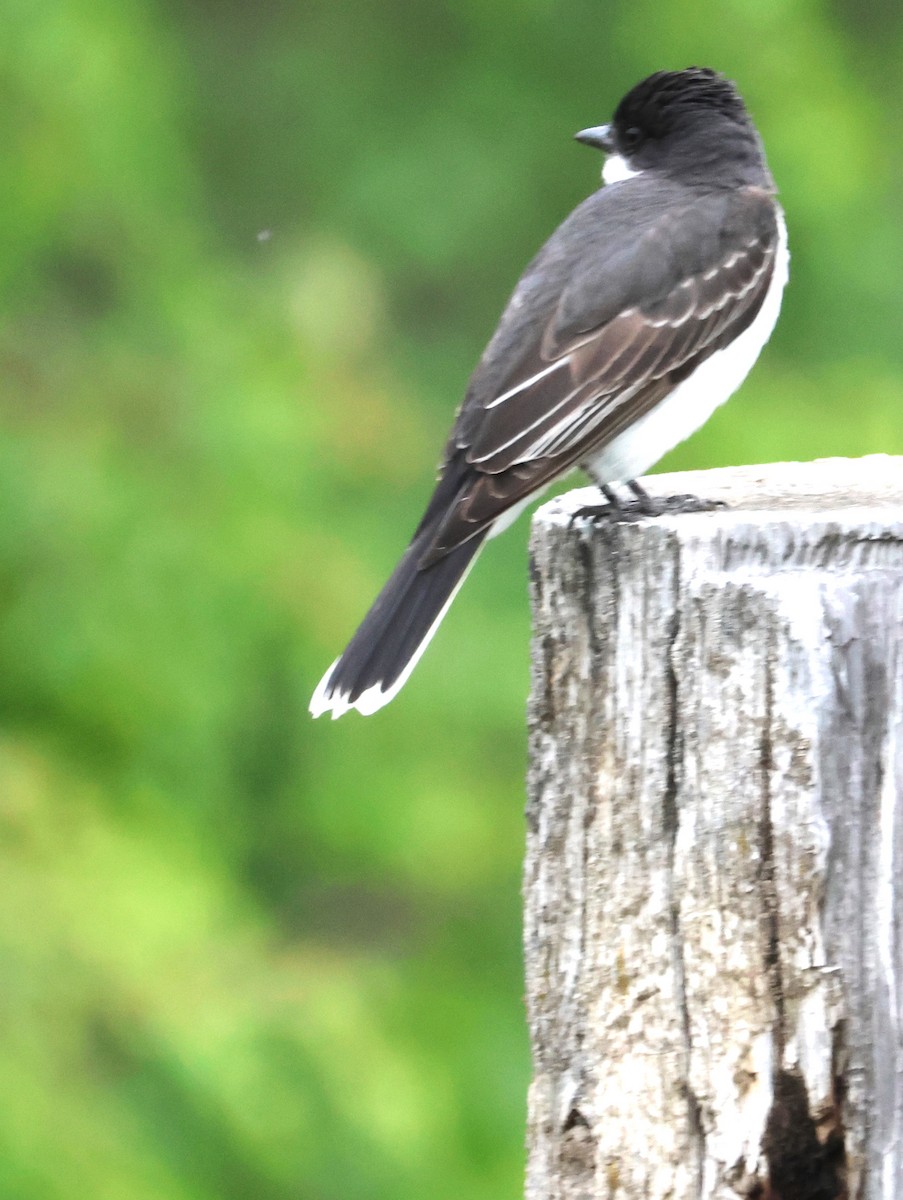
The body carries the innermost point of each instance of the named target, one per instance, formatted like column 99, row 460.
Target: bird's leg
column 646, row 506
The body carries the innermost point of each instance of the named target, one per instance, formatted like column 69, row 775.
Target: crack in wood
column 671, row 825
column 805, row 1160
column 767, row 872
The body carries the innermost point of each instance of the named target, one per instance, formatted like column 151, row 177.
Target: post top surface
column 826, row 487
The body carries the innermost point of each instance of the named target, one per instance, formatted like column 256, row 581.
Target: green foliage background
column 249, row 254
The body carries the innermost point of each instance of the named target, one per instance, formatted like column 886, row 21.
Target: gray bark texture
column 714, row 873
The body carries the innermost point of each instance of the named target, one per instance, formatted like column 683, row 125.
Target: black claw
column 596, row 514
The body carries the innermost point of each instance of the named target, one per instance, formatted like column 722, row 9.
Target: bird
column 643, row 312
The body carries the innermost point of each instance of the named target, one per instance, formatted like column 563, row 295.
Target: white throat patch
column 616, row 169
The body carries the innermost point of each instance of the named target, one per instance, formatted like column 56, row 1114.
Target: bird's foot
column 641, row 506
column 598, row 514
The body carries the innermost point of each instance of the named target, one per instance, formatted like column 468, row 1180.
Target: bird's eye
column 631, row 138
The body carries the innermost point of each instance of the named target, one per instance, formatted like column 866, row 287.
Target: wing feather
column 577, row 388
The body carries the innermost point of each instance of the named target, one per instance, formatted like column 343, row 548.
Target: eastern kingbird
column 642, row 313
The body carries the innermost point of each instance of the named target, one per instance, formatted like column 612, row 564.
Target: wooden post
column 714, row 875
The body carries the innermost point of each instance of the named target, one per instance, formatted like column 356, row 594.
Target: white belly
column 692, row 402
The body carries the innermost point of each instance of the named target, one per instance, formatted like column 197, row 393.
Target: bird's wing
column 601, row 357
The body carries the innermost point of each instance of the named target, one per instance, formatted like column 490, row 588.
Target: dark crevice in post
column 806, row 1159
column 577, row 1156
column 574, row 1118
column 801, row 1164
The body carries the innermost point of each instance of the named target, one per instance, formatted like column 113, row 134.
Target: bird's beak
column 600, row 136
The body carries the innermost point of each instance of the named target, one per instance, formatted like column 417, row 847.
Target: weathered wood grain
column 713, row 922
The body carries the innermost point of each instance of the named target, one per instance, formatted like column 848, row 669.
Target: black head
column 690, row 124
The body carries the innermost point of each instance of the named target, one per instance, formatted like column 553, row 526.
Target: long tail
column 397, row 629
